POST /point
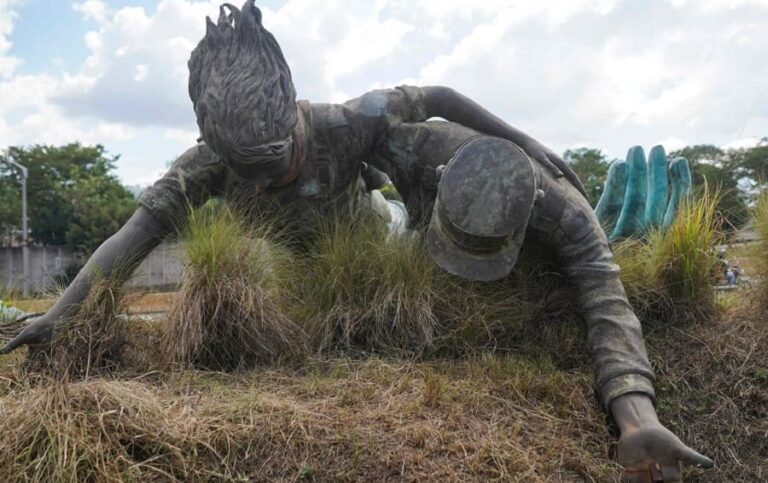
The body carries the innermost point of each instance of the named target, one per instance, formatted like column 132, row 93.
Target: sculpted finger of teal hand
column 632, row 218
column 658, row 187
column 680, row 177
column 609, row 206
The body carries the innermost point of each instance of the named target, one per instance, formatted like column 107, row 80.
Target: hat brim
column 485, row 267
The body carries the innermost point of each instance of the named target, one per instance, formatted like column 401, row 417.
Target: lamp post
column 24, row 226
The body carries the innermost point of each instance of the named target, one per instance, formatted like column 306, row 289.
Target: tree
column 751, row 163
column 74, row 199
column 713, row 166
column 591, row 166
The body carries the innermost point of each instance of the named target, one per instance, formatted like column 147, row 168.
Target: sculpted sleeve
column 614, row 334
column 403, row 104
column 194, row 177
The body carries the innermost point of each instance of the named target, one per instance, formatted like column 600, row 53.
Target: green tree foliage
column 592, row 167
column 74, row 198
column 714, row 166
column 751, row 163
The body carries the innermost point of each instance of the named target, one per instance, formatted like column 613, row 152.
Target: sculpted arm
column 455, row 107
column 615, row 340
column 192, row 178
column 122, row 251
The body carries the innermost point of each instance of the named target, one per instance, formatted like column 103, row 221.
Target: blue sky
column 601, row 73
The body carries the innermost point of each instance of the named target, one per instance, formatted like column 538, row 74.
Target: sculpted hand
column 640, row 450
column 542, row 154
column 36, row 333
column 647, row 450
column 641, row 195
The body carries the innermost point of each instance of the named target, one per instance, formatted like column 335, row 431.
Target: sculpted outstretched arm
column 123, row 251
column 455, row 107
column 624, row 376
column 192, row 179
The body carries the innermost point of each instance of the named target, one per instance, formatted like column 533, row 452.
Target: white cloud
column 672, row 144
column 140, row 72
column 8, row 63
column 92, row 9
column 744, row 143
column 185, row 137
column 602, row 73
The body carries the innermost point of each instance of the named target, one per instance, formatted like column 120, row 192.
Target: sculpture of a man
column 302, row 160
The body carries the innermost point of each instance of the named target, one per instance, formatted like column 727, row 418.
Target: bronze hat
column 483, row 205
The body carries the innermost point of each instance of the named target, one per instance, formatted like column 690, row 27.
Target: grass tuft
column 93, row 431
column 683, row 257
column 92, row 340
column 227, row 314
column 360, row 289
column 759, row 250
column 668, row 277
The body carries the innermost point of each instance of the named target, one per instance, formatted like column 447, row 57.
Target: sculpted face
column 267, row 172
column 243, row 96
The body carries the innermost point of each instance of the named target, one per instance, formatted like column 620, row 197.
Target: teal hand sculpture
column 640, row 195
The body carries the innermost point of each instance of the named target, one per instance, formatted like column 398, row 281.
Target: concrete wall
column 162, row 268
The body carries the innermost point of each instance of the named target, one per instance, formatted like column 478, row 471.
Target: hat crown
column 487, row 189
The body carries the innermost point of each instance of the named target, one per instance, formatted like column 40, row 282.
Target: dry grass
column 480, row 419
column 516, row 417
column 357, row 289
column 517, row 406
column 713, row 390
column 96, row 431
column 759, row 250
column 92, row 340
column 227, row 314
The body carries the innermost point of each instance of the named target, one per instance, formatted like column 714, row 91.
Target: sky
column 607, row 74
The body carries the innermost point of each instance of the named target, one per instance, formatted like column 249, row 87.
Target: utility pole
column 24, row 226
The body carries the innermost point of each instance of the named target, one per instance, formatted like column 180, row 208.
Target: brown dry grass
column 90, row 341
column 524, row 413
column 520, row 417
column 227, row 314
column 713, row 389
column 480, row 419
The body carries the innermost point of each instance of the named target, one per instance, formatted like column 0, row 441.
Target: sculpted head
column 242, row 93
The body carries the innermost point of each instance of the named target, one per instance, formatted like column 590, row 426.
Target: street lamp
column 24, row 225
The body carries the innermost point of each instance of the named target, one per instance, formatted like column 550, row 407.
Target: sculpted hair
column 241, row 86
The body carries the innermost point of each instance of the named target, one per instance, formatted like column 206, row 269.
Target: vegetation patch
column 517, row 405
column 227, row 314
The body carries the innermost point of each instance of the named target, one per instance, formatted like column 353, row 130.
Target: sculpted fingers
column 658, row 186
column 611, row 201
column 631, row 221
column 692, row 457
column 13, row 344
column 680, row 179
column 37, row 332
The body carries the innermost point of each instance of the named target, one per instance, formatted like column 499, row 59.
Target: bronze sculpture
column 301, row 159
